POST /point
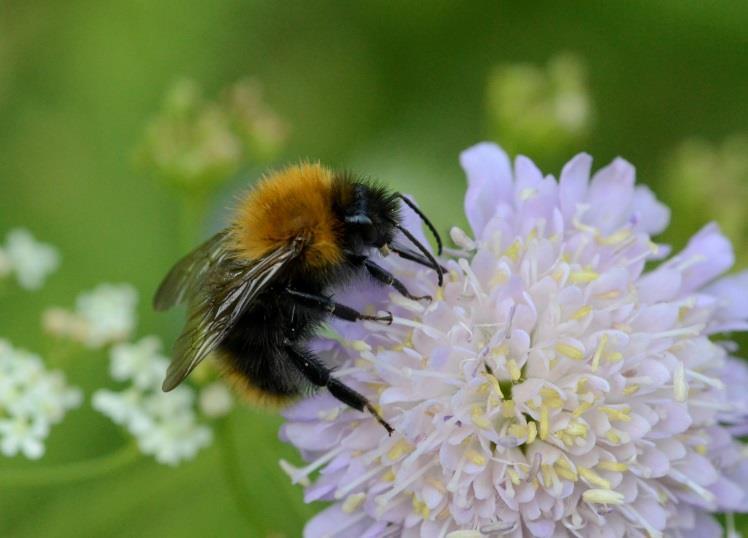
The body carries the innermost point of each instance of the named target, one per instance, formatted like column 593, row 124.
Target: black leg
column 319, row 375
column 408, row 254
column 389, row 279
column 338, row 310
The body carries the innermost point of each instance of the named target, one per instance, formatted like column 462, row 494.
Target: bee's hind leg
column 318, row 374
column 320, row 302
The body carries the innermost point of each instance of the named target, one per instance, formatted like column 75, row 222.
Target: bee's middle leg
column 320, row 302
column 318, row 374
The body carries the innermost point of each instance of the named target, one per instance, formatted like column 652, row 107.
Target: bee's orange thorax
column 295, row 201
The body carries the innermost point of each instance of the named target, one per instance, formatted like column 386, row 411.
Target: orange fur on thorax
column 285, row 204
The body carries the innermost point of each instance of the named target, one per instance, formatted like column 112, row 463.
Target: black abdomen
column 255, row 348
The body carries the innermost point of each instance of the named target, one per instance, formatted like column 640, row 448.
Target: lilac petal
column 573, row 184
column 650, row 215
column 705, row 526
column 489, row 176
column 707, row 255
column 333, row 521
column 732, row 292
column 610, row 195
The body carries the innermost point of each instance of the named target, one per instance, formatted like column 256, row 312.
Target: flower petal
column 489, row 176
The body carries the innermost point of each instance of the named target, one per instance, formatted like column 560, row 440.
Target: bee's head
column 370, row 214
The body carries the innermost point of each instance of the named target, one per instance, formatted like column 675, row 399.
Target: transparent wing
column 228, row 290
column 187, row 276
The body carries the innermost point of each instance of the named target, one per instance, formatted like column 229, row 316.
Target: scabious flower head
column 30, row 260
column 32, row 399
column 164, row 424
column 554, row 387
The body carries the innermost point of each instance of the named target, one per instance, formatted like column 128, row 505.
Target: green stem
column 70, row 472
column 232, row 470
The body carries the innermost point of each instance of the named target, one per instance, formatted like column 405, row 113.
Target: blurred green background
column 395, row 90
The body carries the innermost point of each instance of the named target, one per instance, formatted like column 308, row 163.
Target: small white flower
column 23, row 434
column 165, row 425
column 103, row 315
column 216, row 400
column 31, row 260
column 141, row 363
column 31, row 400
column 109, row 311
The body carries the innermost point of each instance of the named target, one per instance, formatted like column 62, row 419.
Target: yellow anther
column 420, row 507
column 565, row 470
column 514, row 370
column 389, row 476
column 602, row 496
column 583, row 277
column 622, row 415
column 518, row 430
column 513, row 476
column 493, row 383
column 549, row 475
column 582, row 384
column 551, row 398
column 570, row 351
column 500, row 351
column 479, row 419
column 609, row 296
column 399, row 449
column 512, row 252
column 532, row 432
column 544, row 425
column 615, row 466
column 558, row 274
column 360, row 345
column 614, row 357
column 498, row 279
column 631, row 389
column 701, row 449
column 581, row 409
column 363, row 363
column 576, row 429
column 614, row 238
column 623, row 327
column 593, row 478
column 439, row 294
column 613, row 437
column 507, row 409
column 599, row 352
column 475, row 457
column 582, row 312
column 353, row 502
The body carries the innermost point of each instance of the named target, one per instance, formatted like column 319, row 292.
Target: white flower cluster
column 32, row 399
column 164, row 424
column 31, row 261
column 102, row 316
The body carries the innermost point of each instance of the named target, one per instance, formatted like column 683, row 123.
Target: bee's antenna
column 425, row 220
column 424, row 251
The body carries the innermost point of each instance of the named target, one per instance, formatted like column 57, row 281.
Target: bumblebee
column 257, row 290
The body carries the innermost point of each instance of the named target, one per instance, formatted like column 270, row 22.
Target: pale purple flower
column 554, row 387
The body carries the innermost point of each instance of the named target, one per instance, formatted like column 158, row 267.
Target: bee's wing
column 227, row 292
column 187, row 276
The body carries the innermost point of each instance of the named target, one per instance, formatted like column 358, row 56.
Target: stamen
column 593, row 478
column 602, row 496
column 582, row 312
column 680, row 387
column 544, row 425
column 570, row 351
column 345, row 490
column 353, row 502
column 599, row 352
column 583, row 277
